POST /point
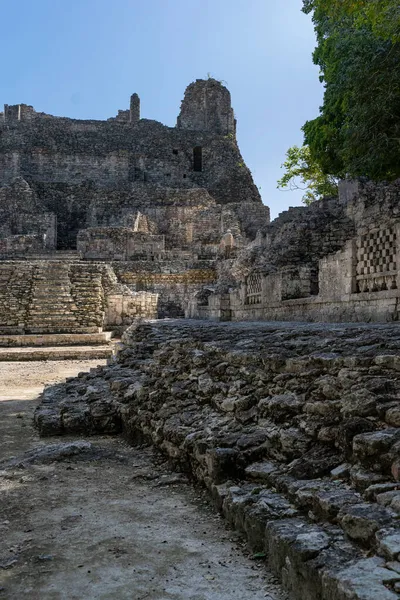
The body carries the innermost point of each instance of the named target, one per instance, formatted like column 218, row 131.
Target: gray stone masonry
column 161, row 203
column 53, row 296
column 207, row 107
column 128, row 190
column 72, row 165
column 292, row 428
column 336, row 260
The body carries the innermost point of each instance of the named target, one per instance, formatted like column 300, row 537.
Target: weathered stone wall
column 368, row 203
column 207, row 107
column 304, row 235
column 293, row 429
column 337, row 260
column 189, row 219
column 130, row 189
column 23, row 215
column 71, row 163
column 20, row 245
column 118, row 243
column 174, row 280
column 124, row 308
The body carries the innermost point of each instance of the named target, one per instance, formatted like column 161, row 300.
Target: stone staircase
column 58, row 255
column 56, row 346
column 35, row 353
column 15, row 293
column 58, row 308
column 52, row 307
column 88, row 294
column 55, row 339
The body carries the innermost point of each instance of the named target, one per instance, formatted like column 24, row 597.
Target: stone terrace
column 293, row 428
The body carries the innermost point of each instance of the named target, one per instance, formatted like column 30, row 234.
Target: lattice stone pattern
column 377, row 260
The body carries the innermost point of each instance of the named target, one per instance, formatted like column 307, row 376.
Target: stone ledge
column 60, row 339
column 55, row 353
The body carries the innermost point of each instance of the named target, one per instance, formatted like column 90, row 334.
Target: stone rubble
column 289, row 426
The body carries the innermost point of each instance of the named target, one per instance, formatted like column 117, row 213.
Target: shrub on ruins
column 302, row 172
column 358, row 51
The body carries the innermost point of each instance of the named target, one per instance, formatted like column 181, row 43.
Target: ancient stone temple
column 102, row 222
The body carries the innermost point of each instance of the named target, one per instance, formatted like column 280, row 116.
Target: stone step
column 49, row 329
column 57, row 311
column 88, row 289
column 52, row 282
column 56, row 324
column 51, row 289
column 83, row 281
column 56, row 353
column 50, row 298
column 51, row 294
column 55, row 316
column 52, row 275
column 60, row 298
column 55, row 258
column 48, row 316
column 62, row 291
column 50, row 309
column 56, row 339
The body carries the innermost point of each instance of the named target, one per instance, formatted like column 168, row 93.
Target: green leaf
column 304, row 173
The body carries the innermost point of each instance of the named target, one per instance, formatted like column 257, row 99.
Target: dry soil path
column 115, row 526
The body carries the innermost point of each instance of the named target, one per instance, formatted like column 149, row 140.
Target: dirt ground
column 116, row 525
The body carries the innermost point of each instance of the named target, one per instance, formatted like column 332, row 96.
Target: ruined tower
column 134, row 110
column 207, row 107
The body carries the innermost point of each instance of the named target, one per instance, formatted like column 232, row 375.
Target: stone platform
column 293, row 429
column 59, row 346
column 56, row 353
column 55, row 339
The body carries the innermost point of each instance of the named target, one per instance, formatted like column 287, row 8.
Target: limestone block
column 362, row 521
column 365, row 579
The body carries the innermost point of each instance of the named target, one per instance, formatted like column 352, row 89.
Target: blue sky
column 84, row 58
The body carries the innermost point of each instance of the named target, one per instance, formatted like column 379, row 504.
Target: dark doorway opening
column 198, row 159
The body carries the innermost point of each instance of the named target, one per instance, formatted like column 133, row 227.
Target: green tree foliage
column 358, row 52
column 302, row 172
column 381, row 16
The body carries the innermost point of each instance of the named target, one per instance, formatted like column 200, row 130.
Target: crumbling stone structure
column 151, row 202
column 336, row 260
column 174, row 212
column 78, row 169
column 55, row 296
column 294, row 431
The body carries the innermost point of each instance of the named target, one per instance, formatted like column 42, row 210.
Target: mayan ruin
column 200, row 400
column 122, row 219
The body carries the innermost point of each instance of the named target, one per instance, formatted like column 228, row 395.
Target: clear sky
column 84, row 58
